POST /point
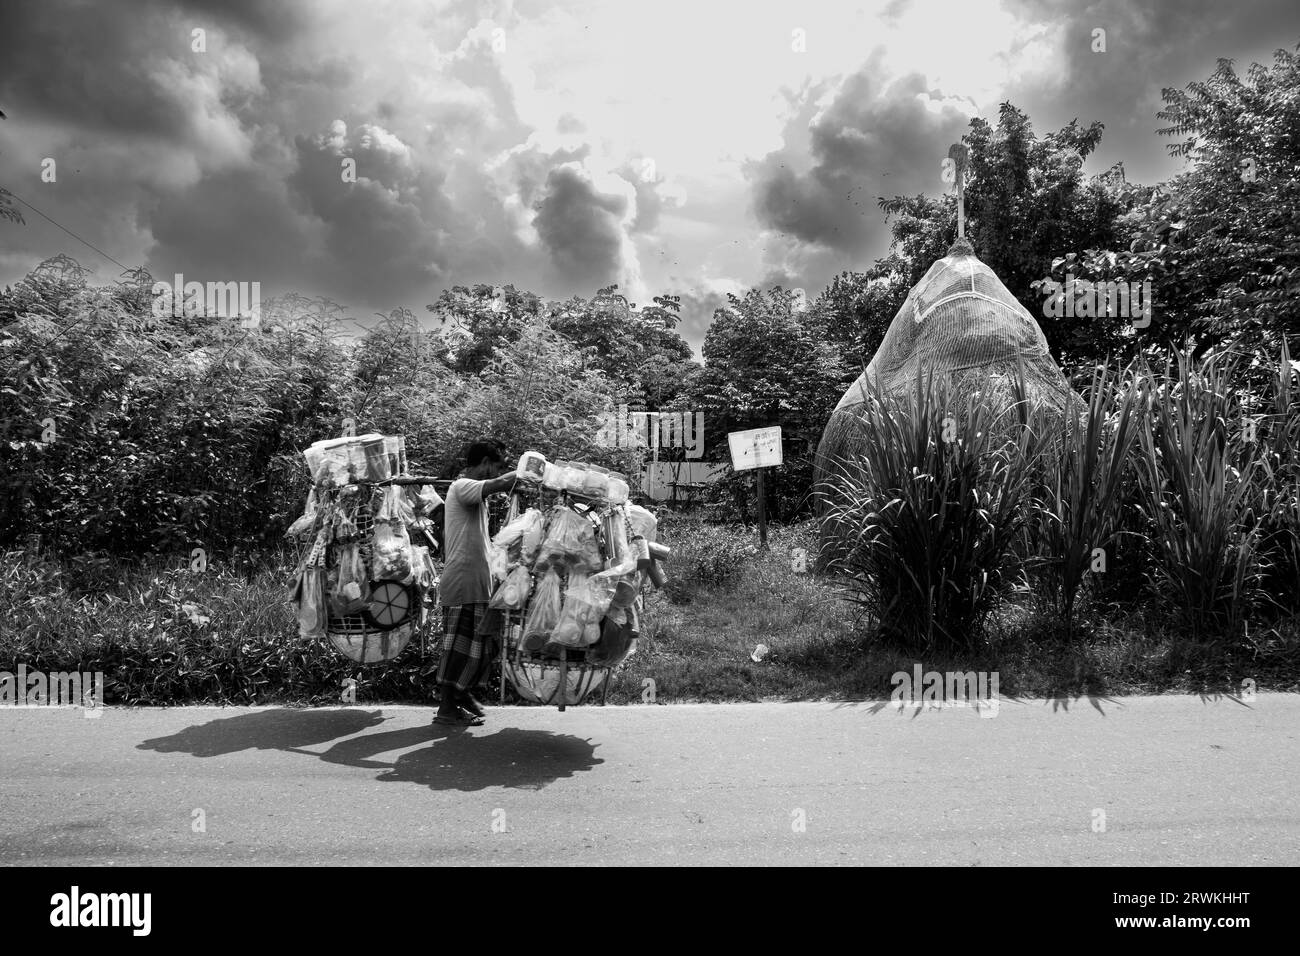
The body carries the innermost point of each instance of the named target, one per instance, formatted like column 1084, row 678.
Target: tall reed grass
column 937, row 496
column 1078, row 506
column 1182, row 468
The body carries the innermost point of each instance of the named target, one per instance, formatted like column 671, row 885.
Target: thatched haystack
column 960, row 325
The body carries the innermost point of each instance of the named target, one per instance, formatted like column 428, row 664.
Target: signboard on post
column 756, row 449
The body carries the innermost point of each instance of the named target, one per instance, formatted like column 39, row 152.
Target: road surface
column 1130, row 781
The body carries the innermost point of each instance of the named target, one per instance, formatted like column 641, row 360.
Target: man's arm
column 493, row 486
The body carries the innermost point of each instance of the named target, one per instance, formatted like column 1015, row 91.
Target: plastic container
column 356, row 460
column 328, row 459
column 575, row 478
column 596, row 482
column 553, row 476
column 639, row 549
column 532, row 466
column 617, row 488
column 395, row 448
column 375, row 450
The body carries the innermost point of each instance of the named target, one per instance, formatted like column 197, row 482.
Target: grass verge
column 167, row 635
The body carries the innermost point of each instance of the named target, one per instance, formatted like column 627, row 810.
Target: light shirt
column 465, row 577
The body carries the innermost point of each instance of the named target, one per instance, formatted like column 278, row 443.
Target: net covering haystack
column 960, row 325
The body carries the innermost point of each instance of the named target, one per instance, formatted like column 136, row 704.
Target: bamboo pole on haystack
column 961, row 208
column 959, row 154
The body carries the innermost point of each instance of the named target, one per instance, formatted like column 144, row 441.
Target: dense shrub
column 128, row 433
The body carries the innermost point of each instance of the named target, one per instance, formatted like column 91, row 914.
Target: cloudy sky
column 696, row 147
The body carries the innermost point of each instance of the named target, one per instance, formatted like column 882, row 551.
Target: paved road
column 1180, row 780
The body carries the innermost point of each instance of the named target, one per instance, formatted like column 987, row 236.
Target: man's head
column 485, row 459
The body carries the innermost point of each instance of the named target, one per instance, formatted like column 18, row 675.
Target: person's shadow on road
column 458, row 760
column 286, row 729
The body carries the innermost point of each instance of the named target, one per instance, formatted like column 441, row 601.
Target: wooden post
column 564, row 676
column 762, row 509
column 506, row 629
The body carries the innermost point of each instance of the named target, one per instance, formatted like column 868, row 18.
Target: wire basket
column 559, row 683
column 566, row 680
column 363, row 637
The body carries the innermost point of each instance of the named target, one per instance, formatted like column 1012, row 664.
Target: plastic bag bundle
column 570, row 539
column 313, row 616
column 522, row 537
column 512, row 595
column 498, row 562
column 348, row 593
column 392, row 552
column 424, row 500
column 544, row 613
column 308, row 520
column 624, row 583
column 395, row 508
column 585, row 604
column 421, row 567
column 530, row 542
column 345, row 519
column 617, row 639
column 589, row 558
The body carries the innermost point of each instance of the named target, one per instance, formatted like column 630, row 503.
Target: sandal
column 460, row 720
column 471, row 718
column 468, row 703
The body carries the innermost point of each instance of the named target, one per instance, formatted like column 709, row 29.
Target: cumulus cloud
column 1149, row 46
column 846, row 144
column 388, row 230
column 584, row 225
column 560, row 147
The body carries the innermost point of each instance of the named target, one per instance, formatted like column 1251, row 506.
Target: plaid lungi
column 469, row 634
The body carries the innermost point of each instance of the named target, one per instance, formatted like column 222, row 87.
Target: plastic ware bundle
column 588, row 559
column 364, row 581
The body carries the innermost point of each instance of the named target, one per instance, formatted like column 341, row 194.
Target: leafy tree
column 854, row 311
column 7, row 208
column 764, row 366
column 1027, row 204
column 477, row 320
column 1219, row 242
column 639, row 350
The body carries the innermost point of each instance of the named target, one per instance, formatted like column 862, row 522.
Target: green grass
column 145, row 628
column 821, row 648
